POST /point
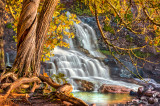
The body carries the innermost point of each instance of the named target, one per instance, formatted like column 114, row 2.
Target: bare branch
column 145, row 11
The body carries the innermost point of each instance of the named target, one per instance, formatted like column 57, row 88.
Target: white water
column 76, row 65
column 8, row 62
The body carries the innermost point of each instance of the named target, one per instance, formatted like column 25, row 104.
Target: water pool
column 102, row 99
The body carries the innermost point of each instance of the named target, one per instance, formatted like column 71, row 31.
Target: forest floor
column 36, row 100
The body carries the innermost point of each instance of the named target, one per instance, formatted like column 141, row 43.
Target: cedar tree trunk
column 26, row 35
column 43, row 25
column 32, row 35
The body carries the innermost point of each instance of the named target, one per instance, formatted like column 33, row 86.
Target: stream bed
column 103, row 99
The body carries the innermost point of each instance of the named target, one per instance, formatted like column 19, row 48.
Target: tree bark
column 26, row 35
column 2, row 58
column 42, row 28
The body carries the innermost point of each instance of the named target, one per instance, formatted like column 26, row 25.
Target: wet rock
column 107, row 88
column 151, row 93
column 143, row 98
column 140, row 91
column 93, row 104
column 85, row 85
column 146, row 95
column 133, row 93
column 158, row 96
column 152, row 100
column 135, row 101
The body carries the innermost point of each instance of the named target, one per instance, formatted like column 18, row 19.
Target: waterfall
column 8, row 62
column 75, row 64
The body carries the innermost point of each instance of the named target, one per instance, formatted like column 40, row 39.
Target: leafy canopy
column 57, row 28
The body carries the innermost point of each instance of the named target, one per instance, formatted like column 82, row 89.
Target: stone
column 107, row 88
column 158, row 96
column 133, row 93
column 152, row 100
column 85, row 85
column 93, row 104
column 144, row 99
column 151, row 93
column 140, row 91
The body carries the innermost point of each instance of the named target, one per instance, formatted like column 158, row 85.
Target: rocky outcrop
column 85, row 85
column 147, row 95
column 107, row 88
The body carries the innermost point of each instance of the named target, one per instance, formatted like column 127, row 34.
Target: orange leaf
column 45, row 74
column 155, row 27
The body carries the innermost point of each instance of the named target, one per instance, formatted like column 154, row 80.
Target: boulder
column 133, row 93
column 152, row 100
column 85, row 85
column 107, row 88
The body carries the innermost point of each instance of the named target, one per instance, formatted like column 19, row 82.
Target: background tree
column 140, row 17
column 2, row 58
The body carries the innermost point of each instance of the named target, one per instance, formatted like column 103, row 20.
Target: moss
column 9, row 25
column 106, row 52
column 128, row 38
column 141, row 54
column 80, row 8
column 108, row 28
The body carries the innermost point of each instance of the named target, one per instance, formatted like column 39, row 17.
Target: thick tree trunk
column 26, row 35
column 42, row 28
column 2, row 59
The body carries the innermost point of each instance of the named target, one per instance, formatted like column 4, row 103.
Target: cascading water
column 77, row 65
column 8, row 62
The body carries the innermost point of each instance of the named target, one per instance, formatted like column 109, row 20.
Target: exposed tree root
column 49, row 81
column 35, row 86
column 65, row 88
column 7, row 75
column 63, row 91
column 5, row 85
column 18, row 82
column 75, row 101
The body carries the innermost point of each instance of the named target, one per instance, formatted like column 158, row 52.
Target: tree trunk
column 26, row 35
column 31, row 36
column 2, row 58
column 42, row 28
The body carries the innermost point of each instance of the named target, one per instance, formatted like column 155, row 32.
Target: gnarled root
column 9, row 75
column 18, row 82
column 49, row 81
column 75, row 101
column 63, row 91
